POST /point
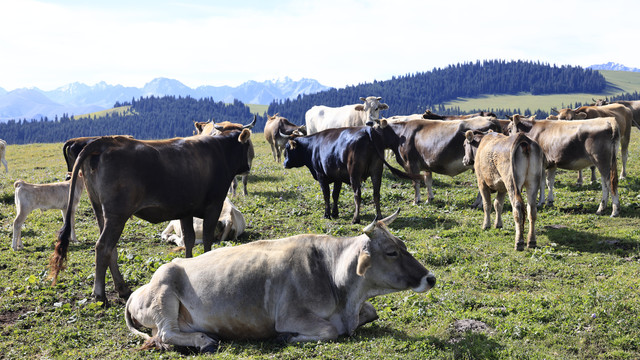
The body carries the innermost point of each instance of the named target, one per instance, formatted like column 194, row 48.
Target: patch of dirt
column 462, row 326
column 10, row 317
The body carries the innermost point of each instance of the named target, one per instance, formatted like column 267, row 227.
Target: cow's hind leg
column 485, row 192
column 532, row 213
column 16, row 242
column 517, row 206
column 498, row 203
column 428, row 182
column 118, row 280
column 357, row 199
column 105, row 251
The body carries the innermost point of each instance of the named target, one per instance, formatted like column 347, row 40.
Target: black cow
column 156, row 181
column 345, row 155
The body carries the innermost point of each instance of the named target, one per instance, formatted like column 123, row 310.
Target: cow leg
column 485, row 192
column 416, row 188
column 188, row 235
column 274, row 151
column 357, row 198
column 6, row 168
column 593, row 175
column 517, row 206
column 97, row 210
column 498, row 203
column 428, row 182
column 245, row 179
column 105, row 250
column 118, row 280
column 73, row 224
column 302, row 325
column 326, row 194
column 579, row 181
column 16, row 242
column 337, row 187
column 209, row 222
column 234, row 186
column 478, row 202
column 532, row 213
column 541, row 188
column 551, row 178
column 367, row 314
column 376, row 182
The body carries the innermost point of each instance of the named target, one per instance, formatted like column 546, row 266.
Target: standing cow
column 322, row 117
column 506, row 164
column 301, row 288
column 3, row 150
column 275, row 126
column 436, row 146
column 345, row 155
column 157, row 181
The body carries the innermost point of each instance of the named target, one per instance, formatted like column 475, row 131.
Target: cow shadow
column 265, row 178
column 279, row 195
column 591, row 243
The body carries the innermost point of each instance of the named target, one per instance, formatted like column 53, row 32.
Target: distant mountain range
column 613, row 66
column 78, row 98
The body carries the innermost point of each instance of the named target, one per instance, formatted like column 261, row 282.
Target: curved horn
column 555, row 110
column 219, row 128
column 252, row 124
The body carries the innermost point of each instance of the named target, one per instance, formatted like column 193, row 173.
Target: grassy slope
column 574, row 297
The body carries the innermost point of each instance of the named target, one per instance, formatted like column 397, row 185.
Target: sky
column 50, row 43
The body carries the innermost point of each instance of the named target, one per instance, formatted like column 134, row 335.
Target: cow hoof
column 355, row 221
column 615, row 214
column 520, row 246
column 327, row 216
column 532, row 245
column 212, row 348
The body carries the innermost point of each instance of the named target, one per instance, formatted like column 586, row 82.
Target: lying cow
column 345, row 155
column 275, row 126
column 3, row 150
column 623, row 116
column 505, row 164
column 230, row 225
column 322, row 117
column 436, row 146
column 29, row 197
column 155, row 180
column 574, row 145
column 214, row 129
column 301, row 288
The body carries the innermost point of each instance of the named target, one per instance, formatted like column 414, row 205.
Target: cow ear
column 581, row 116
column 383, row 106
column 383, row 123
column 363, row 98
column 469, row 135
column 552, row 117
column 292, row 144
column 244, row 136
column 360, row 107
column 515, row 119
column 364, row 263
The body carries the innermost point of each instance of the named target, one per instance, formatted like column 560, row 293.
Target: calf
column 345, row 155
column 275, row 126
column 436, row 146
column 505, row 164
column 231, row 224
column 574, row 145
column 155, row 180
column 301, row 288
column 29, row 197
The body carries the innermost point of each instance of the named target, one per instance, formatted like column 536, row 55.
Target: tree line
column 170, row 116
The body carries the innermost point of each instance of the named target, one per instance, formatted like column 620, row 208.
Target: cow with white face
column 322, row 117
column 301, row 288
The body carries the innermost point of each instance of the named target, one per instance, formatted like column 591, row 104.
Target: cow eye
column 392, row 254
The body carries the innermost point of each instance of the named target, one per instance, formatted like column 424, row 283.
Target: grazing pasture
column 576, row 296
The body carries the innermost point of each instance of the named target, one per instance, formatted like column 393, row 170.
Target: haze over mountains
column 78, row 98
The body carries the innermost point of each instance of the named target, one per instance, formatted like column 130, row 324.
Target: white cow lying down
column 231, row 224
column 301, row 288
column 29, row 197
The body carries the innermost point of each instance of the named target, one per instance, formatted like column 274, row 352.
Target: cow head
column 199, row 125
column 520, row 124
column 229, row 126
column 567, row 114
column 371, row 107
column 294, row 152
column 471, row 142
column 386, row 264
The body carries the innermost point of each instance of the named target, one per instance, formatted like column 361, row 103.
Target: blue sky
column 51, row 43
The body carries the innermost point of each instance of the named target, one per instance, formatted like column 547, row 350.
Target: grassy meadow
column 576, row 296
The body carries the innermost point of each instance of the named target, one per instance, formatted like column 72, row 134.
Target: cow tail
column 613, row 173
column 132, row 324
column 520, row 145
column 378, row 145
column 58, row 259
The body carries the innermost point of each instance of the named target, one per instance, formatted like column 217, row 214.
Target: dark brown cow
column 275, row 126
column 156, row 181
column 436, row 146
column 506, row 164
column 212, row 128
column 574, row 145
column 623, row 116
column 72, row 147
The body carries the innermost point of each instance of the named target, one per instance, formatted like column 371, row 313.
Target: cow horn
column 389, row 219
column 283, row 135
column 363, row 98
column 219, row 128
column 252, row 124
column 555, row 110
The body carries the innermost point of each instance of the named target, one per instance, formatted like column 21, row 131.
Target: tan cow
column 506, row 164
column 322, row 117
column 623, row 116
column 301, row 288
column 29, row 197
column 3, row 150
column 574, row 145
column 231, row 224
column 275, row 126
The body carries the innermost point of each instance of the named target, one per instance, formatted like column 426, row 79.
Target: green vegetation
column 120, row 111
column 574, row 297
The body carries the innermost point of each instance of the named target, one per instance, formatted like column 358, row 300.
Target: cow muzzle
column 427, row 282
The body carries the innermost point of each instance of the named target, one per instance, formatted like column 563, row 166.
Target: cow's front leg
column 367, row 314
column 551, row 178
column 485, row 192
column 209, row 223
column 376, row 182
column 357, row 199
column 337, row 187
column 302, row 325
column 327, row 203
column 188, row 235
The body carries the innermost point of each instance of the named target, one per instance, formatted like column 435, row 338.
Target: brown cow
column 428, row 115
column 505, row 164
column 275, row 126
column 623, row 116
column 157, row 181
column 574, row 145
column 212, row 128
column 436, row 146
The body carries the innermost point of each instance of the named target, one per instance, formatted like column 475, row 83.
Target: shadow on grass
column 592, row 243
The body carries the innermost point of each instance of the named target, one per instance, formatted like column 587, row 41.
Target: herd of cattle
column 305, row 287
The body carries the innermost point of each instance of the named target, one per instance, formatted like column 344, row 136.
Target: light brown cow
column 231, row 224
column 29, row 197
column 506, row 164
column 574, row 145
column 3, row 150
column 301, row 288
column 274, row 128
column 623, row 116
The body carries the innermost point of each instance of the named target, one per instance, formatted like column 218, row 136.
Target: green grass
column 574, row 297
column 121, row 110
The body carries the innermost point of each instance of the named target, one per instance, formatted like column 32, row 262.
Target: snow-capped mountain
column 613, row 66
column 77, row 98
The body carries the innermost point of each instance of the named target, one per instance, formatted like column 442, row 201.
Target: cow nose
column 431, row 280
